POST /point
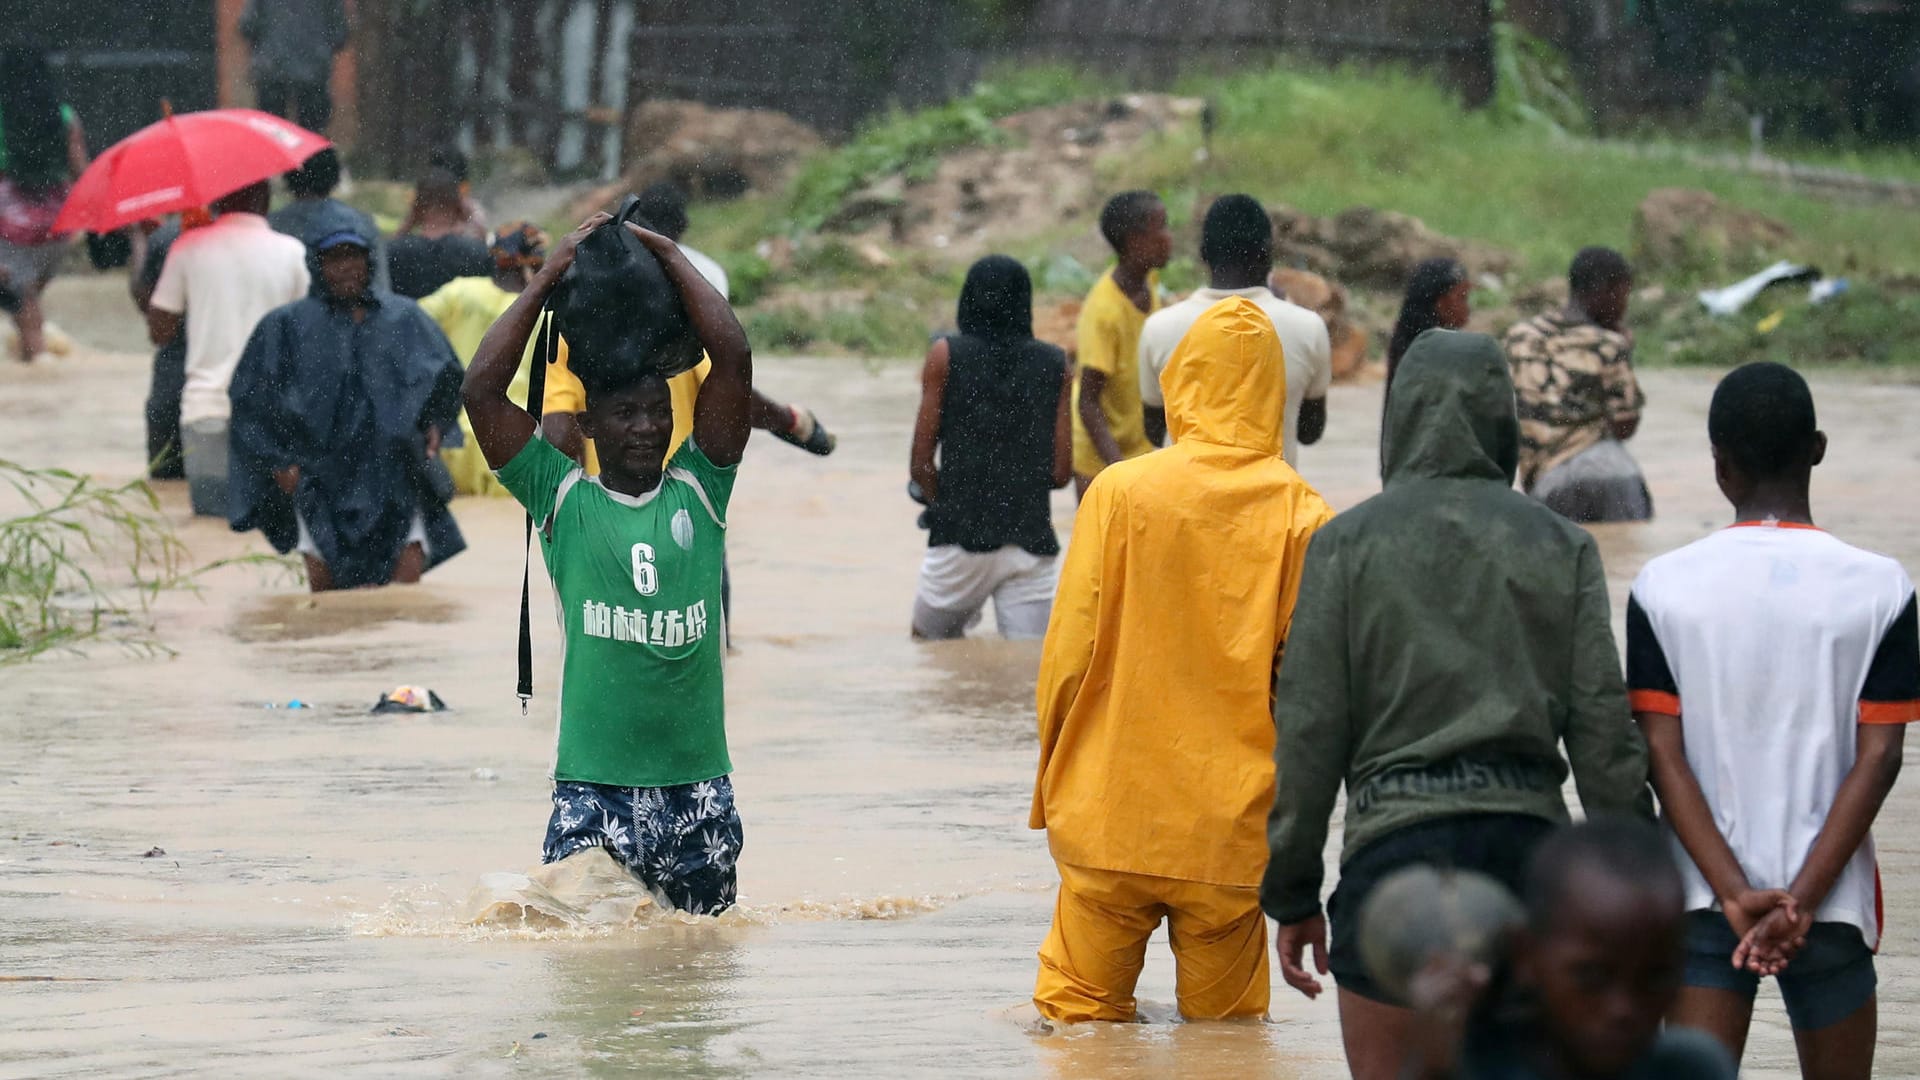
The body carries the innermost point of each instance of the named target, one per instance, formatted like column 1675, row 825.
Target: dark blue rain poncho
column 348, row 403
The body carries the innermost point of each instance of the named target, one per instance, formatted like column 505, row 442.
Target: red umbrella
column 182, row 162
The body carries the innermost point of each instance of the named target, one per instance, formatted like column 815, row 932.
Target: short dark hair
column 1237, row 233
column 1762, row 418
column 597, row 382
column 255, row 198
column 1126, row 214
column 448, row 159
column 1596, row 268
column 317, row 176
column 664, row 206
column 1621, row 847
column 439, row 188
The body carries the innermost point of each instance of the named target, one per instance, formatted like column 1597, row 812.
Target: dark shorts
column 681, row 842
column 1826, row 983
column 1497, row 845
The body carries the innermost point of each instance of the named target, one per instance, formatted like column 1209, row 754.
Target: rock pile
column 1370, row 248
column 714, row 153
column 1684, row 231
column 1040, row 175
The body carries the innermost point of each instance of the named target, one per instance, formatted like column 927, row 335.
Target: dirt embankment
column 1042, row 175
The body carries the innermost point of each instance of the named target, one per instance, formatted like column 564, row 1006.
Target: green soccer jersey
column 638, row 585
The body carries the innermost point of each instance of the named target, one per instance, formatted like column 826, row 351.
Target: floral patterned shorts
column 681, row 842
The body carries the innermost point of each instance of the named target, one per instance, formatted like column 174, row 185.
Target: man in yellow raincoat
column 1156, row 720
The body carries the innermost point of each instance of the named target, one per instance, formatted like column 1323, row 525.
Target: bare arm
column 77, row 156
column 722, row 413
column 1092, row 384
column 768, row 414
column 1685, row 806
column 500, row 427
column 1313, row 420
column 1063, row 432
column 1876, row 764
column 138, row 287
column 921, row 467
column 562, row 429
column 162, row 326
column 1154, row 418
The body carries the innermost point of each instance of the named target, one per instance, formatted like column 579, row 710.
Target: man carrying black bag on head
column 641, row 767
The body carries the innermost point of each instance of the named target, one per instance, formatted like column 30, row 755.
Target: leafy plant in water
column 56, row 550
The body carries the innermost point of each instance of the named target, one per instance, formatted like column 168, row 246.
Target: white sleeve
column 170, row 292
column 1322, row 361
column 1150, row 365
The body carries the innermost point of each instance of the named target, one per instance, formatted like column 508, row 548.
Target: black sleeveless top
column 996, row 445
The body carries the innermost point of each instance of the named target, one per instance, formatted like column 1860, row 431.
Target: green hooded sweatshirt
column 1451, row 634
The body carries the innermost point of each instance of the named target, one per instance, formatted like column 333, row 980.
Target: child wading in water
column 641, row 766
column 1590, row 974
column 1109, row 421
column 1774, row 670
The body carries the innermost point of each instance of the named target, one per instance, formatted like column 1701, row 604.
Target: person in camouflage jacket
column 1578, row 399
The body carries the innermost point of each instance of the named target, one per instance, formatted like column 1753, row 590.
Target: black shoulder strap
column 536, row 398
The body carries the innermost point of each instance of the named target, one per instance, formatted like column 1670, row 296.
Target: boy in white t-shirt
column 1774, row 670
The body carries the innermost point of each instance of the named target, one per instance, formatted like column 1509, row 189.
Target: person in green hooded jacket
column 1452, row 635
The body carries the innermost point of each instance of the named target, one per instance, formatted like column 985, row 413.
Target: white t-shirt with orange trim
column 1771, row 643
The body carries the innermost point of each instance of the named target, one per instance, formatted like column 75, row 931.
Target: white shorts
column 955, row 585
column 304, row 545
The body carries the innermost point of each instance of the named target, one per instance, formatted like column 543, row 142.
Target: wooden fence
column 554, row 76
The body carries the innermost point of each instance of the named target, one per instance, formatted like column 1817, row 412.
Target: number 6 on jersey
column 646, row 578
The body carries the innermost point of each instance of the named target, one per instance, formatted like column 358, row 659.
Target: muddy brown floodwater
column 306, row 918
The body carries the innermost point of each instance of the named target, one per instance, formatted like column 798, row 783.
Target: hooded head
column 1451, row 411
column 1226, row 382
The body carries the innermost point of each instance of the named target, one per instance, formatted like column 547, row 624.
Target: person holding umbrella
column 228, row 274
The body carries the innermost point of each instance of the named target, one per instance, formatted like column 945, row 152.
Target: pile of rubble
column 1039, row 176
column 1376, row 249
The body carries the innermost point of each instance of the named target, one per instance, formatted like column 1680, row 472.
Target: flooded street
column 304, row 918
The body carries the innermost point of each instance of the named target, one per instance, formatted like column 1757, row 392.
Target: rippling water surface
column 309, row 915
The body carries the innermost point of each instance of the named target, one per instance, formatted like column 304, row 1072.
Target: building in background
column 119, row 60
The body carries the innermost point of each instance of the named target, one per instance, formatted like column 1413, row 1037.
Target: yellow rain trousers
column 1155, row 691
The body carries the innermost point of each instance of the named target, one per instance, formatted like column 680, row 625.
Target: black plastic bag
column 621, row 317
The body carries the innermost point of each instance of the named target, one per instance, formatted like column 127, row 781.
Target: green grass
column 1866, row 327
column 878, row 327
column 1326, row 140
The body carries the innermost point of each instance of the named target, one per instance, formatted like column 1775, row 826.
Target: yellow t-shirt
column 565, row 394
column 1109, row 342
column 465, row 308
